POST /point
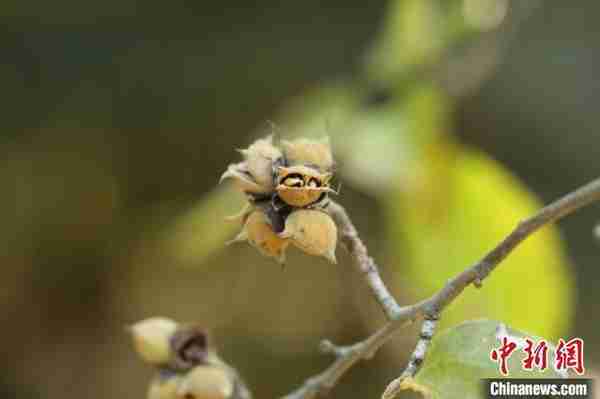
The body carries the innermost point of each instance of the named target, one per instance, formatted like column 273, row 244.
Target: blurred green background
column 119, row 117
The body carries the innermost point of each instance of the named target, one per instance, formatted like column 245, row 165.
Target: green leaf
column 460, row 357
column 455, row 220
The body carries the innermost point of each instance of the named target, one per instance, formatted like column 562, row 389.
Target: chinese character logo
column 537, row 355
column 502, row 354
column 567, row 355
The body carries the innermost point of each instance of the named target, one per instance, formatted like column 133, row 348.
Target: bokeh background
column 449, row 119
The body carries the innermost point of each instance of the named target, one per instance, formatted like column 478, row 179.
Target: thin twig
column 346, row 357
column 430, row 308
column 365, row 264
column 418, row 356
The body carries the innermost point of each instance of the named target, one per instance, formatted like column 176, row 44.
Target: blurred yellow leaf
column 437, row 237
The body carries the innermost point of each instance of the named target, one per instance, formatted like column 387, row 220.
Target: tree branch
column 365, row 264
column 418, row 355
column 430, row 308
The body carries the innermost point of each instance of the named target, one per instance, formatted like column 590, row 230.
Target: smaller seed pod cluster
column 287, row 187
column 186, row 366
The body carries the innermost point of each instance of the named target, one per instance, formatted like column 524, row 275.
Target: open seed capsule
column 301, row 186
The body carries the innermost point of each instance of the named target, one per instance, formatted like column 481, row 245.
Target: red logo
column 567, row 355
column 502, row 354
column 537, row 356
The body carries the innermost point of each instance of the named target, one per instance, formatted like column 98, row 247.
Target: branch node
column 430, row 315
column 328, row 347
column 417, row 357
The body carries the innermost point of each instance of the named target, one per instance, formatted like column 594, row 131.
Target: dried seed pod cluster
column 186, row 366
column 287, row 188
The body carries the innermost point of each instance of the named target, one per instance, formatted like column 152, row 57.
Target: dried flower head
column 162, row 342
column 279, row 184
column 186, row 364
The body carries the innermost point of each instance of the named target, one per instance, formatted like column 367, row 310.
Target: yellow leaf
column 480, row 204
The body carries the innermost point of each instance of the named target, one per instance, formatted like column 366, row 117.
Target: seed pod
column 243, row 180
column 304, row 151
column 259, row 233
column 164, row 386
column 260, row 158
column 207, row 382
column 313, row 231
column 255, row 174
column 151, row 339
column 189, row 347
column 301, row 186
